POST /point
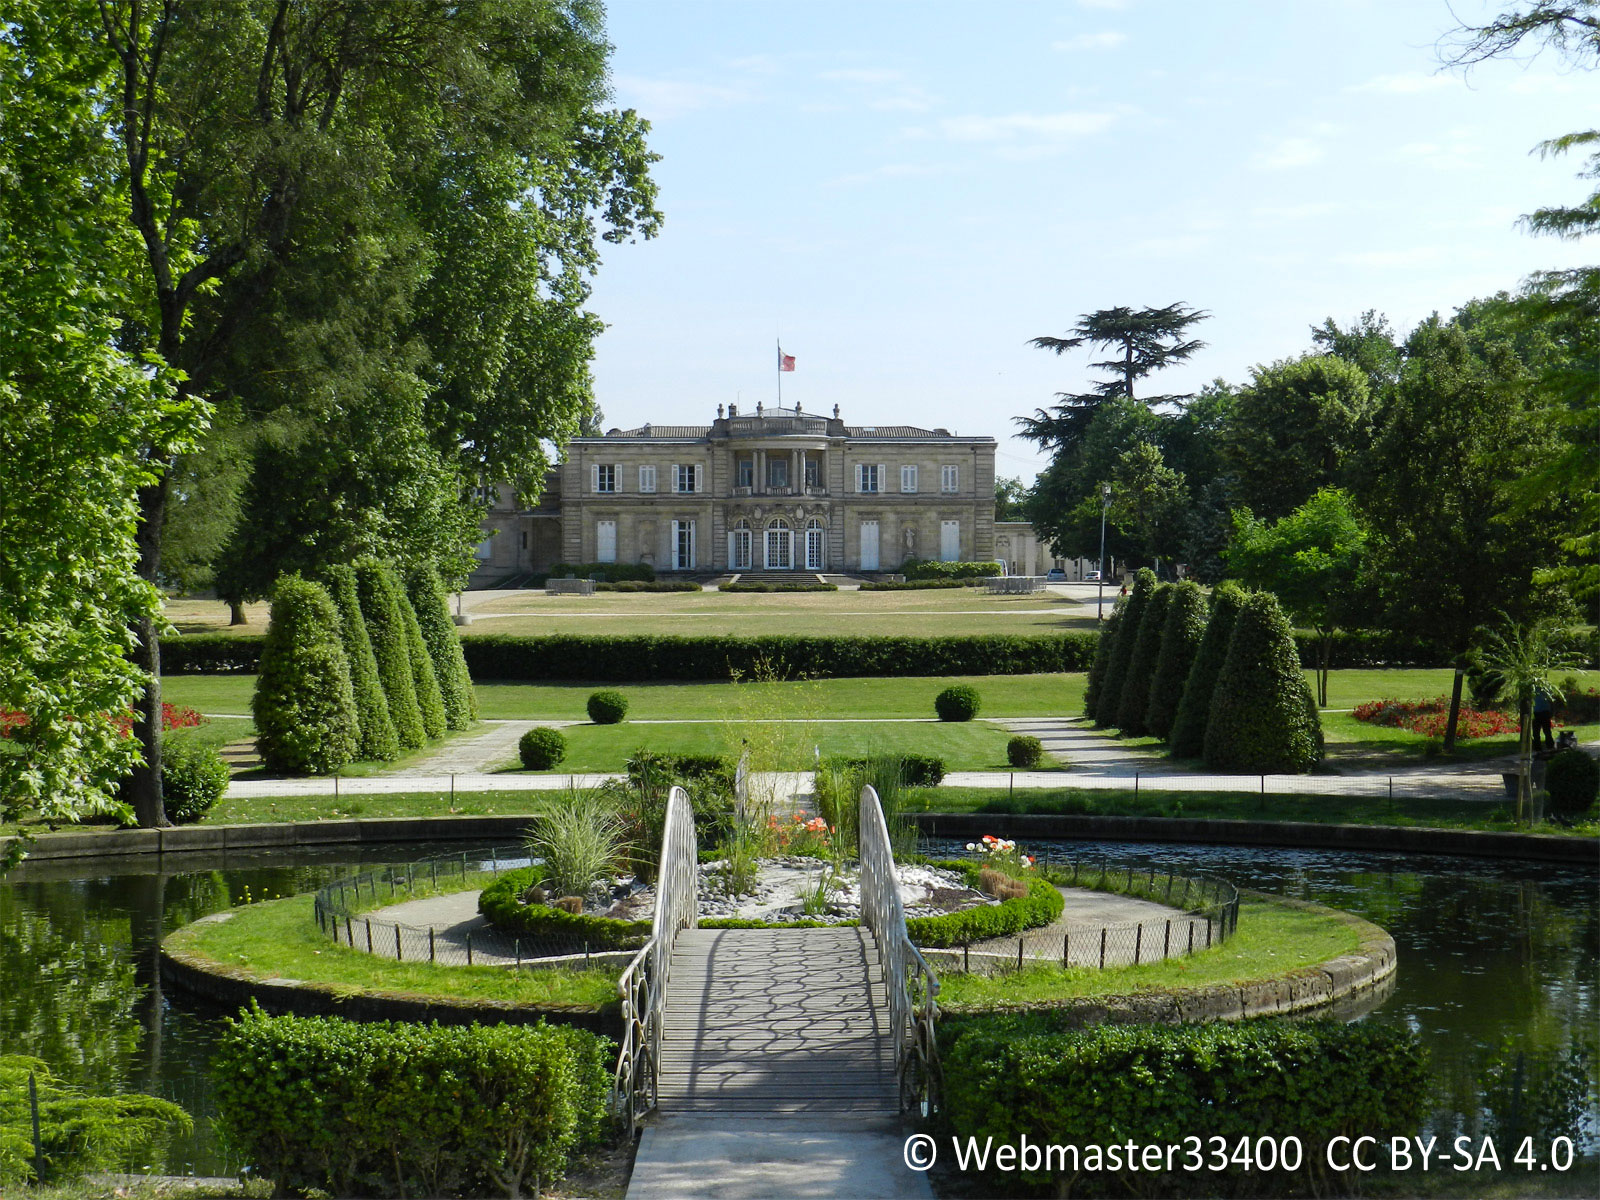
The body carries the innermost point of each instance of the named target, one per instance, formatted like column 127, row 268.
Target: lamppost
column 1105, row 503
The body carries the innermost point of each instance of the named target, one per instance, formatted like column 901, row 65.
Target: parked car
column 1091, row 577
column 1055, row 575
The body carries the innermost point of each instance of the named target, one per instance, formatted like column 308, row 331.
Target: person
column 1543, row 710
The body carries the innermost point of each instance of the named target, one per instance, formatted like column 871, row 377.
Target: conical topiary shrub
column 1109, row 701
column 375, row 736
column 1142, row 666
column 430, row 703
column 380, row 608
column 444, row 646
column 1262, row 716
column 1103, row 650
column 1180, row 640
column 304, row 708
column 1187, row 738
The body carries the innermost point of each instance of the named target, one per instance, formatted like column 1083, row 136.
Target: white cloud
column 1024, row 126
column 1109, row 40
column 661, row 99
column 1456, row 150
column 1546, row 85
column 896, row 93
column 1403, row 85
column 1284, row 153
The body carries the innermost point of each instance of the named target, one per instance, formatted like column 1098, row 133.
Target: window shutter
column 674, row 470
column 883, row 477
column 698, row 467
column 594, row 477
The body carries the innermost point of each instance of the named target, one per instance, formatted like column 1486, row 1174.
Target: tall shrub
column 375, row 736
column 304, row 708
column 1180, row 641
column 380, row 608
column 1105, row 646
column 1109, row 701
column 1263, row 718
column 1188, row 736
column 1142, row 664
column 430, row 701
column 444, row 646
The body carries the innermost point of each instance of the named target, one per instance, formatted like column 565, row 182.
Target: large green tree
column 75, row 411
column 345, row 204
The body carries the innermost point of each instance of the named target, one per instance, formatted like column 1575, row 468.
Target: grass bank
column 1272, row 940
column 278, row 938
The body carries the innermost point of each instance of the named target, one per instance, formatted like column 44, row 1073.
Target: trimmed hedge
column 304, row 709
column 430, row 699
column 957, row 703
column 607, row 708
column 604, row 572
column 1188, row 736
column 1571, row 781
column 916, row 770
column 508, row 657
column 1024, row 751
column 720, row 768
column 501, row 905
column 380, row 608
column 918, row 585
column 1041, row 906
column 1108, row 701
column 1105, row 647
column 427, row 598
column 1142, row 665
column 1180, row 642
column 375, row 735
column 391, row 1109
column 193, row 778
column 212, row 654
column 541, row 748
column 654, row 585
column 1014, row 1077
column 778, row 587
column 1263, row 718
column 929, row 569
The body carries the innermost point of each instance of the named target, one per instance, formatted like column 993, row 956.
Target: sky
column 906, row 193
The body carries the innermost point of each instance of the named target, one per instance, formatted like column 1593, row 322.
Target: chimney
column 733, row 410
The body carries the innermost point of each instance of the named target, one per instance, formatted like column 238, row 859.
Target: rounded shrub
column 1263, row 718
column 1142, row 665
column 1024, row 751
column 607, row 708
column 380, row 608
column 542, row 748
column 1187, row 738
column 193, row 778
column 958, row 703
column 304, row 708
column 1180, row 640
column 375, row 736
column 1571, row 782
column 1109, row 700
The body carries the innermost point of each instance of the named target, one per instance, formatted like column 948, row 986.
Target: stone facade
column 773, row 490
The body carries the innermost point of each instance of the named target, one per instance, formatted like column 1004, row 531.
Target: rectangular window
column 605, row 477
column 866, row 477
column 647, row 479
column 813, row 473
column 745, row 473
column 683, row 545
column 949, row 479
column 908, row 479
column 686, row 477
column 777, row 472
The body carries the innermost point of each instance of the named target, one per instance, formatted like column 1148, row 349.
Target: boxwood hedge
column 1041, row 906
column 501, row 905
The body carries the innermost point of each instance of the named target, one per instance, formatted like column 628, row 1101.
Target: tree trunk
column 1455, row 708
column 1524, row 756
column 236, row 613
column 142, row 789
column 1324, row 658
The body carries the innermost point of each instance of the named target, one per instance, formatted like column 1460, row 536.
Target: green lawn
column 279, row 938
column 1150, row 801
column 1272, row 939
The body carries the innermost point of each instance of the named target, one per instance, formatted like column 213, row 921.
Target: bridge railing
column 913, row 988
column 643, row 986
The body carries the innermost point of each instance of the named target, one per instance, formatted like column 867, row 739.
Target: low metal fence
column 348, row 911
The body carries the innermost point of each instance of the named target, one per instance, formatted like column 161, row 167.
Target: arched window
column 816, row 543
column 739, row 546
column 779, row 545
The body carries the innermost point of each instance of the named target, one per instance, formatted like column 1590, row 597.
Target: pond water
column 1493, row 956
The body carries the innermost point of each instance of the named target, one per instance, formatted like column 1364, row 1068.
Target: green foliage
column 649, row 768
column 1041, row 906
column 912, row 770
column 915, row 585
column 193, row 778
column 1181, row 635
column 813, row 586
column 957, row 703
column 380, row 609
column 1542, row 1096
column 494, row 657
column 502, row 906
column 1135, row 700
column 1105, row 647
column 1108, row 701
column 541, row 748
column 430, row 700
column 1015, row 1076
column 1263, row 718
column 607, row 708
column 391, row 1109
column 78, row 1133
column 444, row 647
column 605, row 572
column 931, row 569
column 1148, row 499
column 654, row 585
column 1024, row 751
column 1571, row 781
column 579, row 837
column 1188, row 736
column 375, row 731
column 305, row 711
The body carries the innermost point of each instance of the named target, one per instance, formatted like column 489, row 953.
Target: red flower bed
column 172, row 717
column 1429, row 718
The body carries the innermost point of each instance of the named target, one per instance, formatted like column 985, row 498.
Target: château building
column 772, row 490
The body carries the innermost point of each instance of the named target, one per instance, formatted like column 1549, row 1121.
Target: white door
column 814, row 552
column 739, row 547
column 869, row 545
column 949, row 540
column 605, row 541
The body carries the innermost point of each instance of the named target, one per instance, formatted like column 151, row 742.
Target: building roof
column 662, row 431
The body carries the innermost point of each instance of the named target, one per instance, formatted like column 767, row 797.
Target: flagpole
column 780, row 374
